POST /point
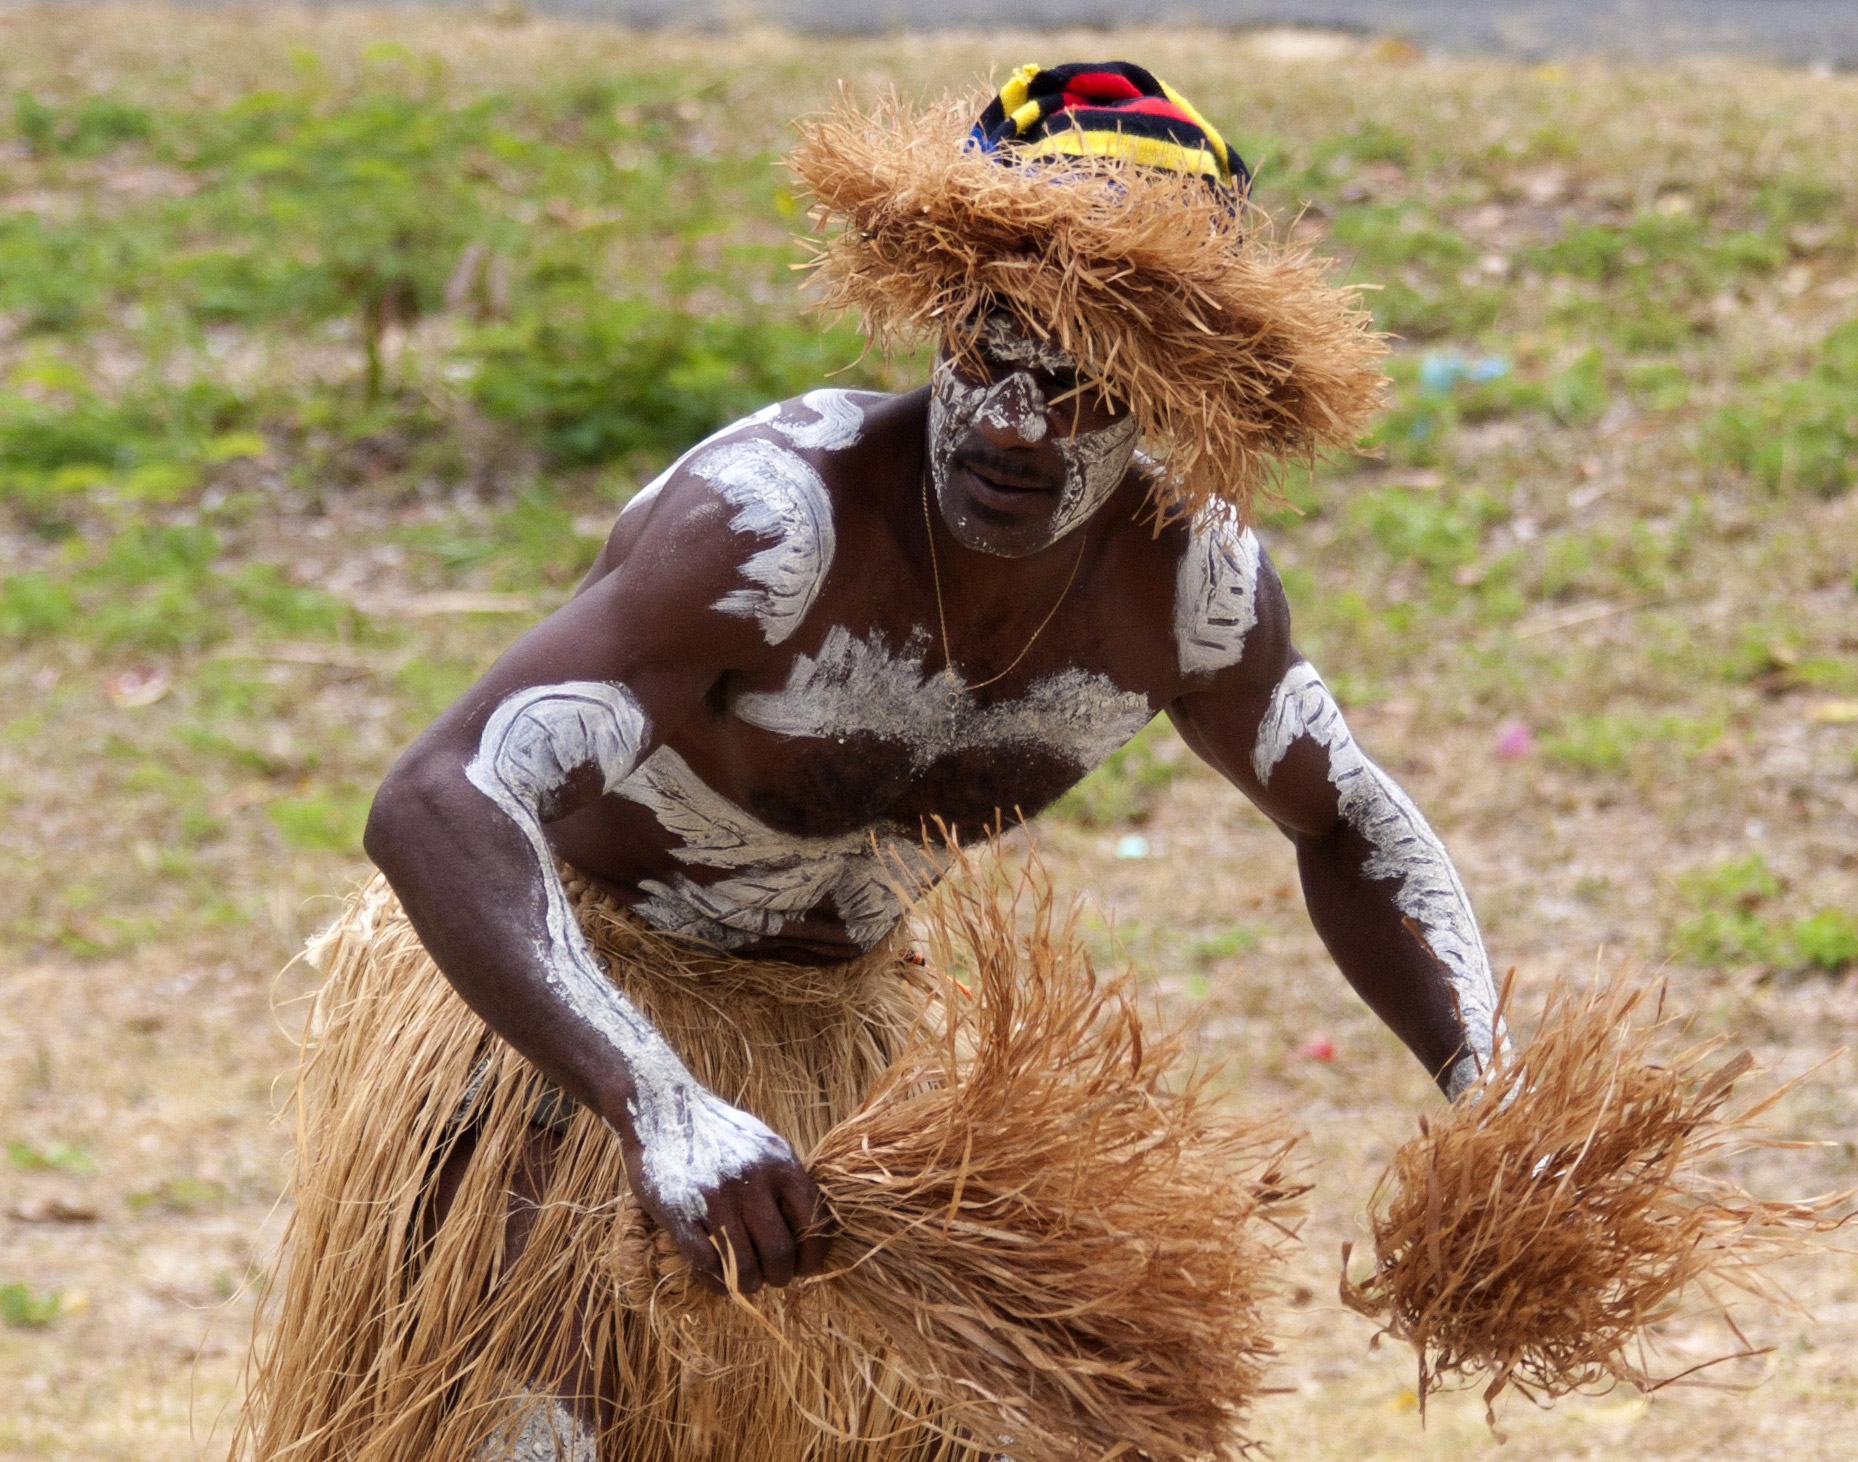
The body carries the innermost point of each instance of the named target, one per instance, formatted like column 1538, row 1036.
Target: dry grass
column 1535, row 1234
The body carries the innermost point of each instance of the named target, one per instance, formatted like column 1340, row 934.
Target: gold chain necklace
column 941, row 614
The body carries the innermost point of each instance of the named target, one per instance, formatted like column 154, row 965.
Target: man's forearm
column 468, row 855
column 1389, row 959
column 1384, row 894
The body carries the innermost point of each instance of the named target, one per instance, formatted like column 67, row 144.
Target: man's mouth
column 994, row 476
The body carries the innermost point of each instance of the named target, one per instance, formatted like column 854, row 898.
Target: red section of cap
column 1156, row 106
column 1098, row 87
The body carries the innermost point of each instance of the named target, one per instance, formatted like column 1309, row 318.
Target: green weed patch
column 1730, row 925
column 1799, row 435
column 1127, row 787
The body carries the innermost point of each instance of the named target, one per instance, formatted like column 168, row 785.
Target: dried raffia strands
column 1565, row 1204
column 1047, row 1233
column 1235, row 353
column 1056, row 1235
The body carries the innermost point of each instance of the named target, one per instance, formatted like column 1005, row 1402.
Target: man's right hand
column 758, row 1211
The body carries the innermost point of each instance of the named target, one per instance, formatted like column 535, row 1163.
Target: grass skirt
column 384, row 1349
column 1048, row 1240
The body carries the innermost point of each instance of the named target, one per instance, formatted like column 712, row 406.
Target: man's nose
column 1013, row 413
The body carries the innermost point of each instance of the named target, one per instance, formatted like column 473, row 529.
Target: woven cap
column 1107, row 109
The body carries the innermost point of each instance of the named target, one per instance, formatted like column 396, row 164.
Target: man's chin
column 993, row 518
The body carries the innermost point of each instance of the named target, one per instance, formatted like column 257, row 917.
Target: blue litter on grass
column 1132, row 846
column 1439, row 372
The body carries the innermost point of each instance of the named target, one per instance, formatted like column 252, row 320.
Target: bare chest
column 866, row 731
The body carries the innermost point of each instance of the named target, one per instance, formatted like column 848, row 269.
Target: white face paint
column 853, row 686
column 778, row 495
column 777, row 877
column 1215, row 592
column 1005, row 342
column 1095, row 462
column 534, row 742
column 1405, row 847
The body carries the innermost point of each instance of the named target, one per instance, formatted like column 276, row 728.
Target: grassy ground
column 329, row 344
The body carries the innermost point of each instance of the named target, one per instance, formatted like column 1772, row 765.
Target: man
column 818, row 633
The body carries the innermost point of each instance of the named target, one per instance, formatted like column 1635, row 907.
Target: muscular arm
column 1379, row 884
column 457, row 827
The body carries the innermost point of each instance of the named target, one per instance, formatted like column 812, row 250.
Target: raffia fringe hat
column 1097, row 207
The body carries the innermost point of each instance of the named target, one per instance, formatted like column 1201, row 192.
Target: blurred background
column 331, row 341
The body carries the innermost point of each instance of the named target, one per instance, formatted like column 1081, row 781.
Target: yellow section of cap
column 1013, row 94
column 1152, row 152
column 1212, row 132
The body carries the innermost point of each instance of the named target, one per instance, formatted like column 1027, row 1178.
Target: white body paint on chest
column 545, row 1430
column 534, row 742
column 775, row 877
column 1405, row 847
column 857, row 686
column 1215, row 592
column 776, row 494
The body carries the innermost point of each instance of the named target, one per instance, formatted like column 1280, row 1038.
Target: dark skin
column 645, row 618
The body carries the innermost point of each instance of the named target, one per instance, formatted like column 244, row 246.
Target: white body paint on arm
column 533, row 743
column 1215, row 592
column 1405, row 847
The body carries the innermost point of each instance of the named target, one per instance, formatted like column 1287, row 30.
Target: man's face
column 1014, row 467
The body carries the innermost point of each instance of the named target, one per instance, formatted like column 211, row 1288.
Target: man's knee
column 541, row 1429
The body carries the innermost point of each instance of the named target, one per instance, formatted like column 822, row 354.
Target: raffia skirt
column 389, row 1341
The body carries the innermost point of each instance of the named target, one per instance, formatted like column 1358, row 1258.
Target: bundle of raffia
column 1045, row 1228
column 1571, row 1200
column 1234, row 353
column 1066, row 1246
column 1049, row 1242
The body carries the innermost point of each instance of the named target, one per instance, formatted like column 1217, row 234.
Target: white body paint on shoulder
column 1405, row 847
column 778, row 877
column 857, row 685
column 534, row 742
column 646, row 495
column 776, row 494
column 839, row 425
column 1215, row 592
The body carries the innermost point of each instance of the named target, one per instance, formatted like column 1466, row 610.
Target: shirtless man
column 847, row 615
column 818, row 634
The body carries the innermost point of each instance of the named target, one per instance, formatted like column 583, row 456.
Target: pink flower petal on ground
column 1514, row 741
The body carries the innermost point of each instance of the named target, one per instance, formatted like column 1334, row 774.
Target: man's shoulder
column 797, row 440
column 1225, row 600
column 761, row 499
